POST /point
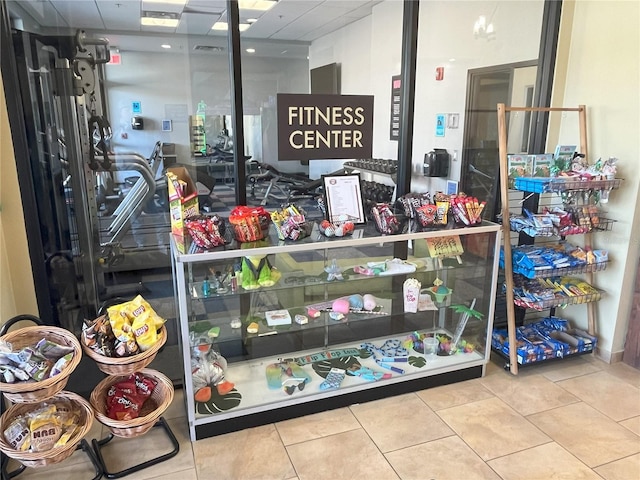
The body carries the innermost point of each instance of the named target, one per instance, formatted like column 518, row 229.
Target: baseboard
column 608, row 356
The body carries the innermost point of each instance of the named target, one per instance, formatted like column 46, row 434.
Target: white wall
column 170, row 85
column 445, row 33
column 603, row 73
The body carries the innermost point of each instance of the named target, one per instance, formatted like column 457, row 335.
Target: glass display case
column 274, row 329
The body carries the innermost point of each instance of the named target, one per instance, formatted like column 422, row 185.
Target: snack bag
column 138, row 302
column 45, row 428
column 17, row 434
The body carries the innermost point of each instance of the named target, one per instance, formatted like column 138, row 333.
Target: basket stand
column 98, row 444
column 84, row 445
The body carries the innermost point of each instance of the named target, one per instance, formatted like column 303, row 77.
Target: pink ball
column 340, row 305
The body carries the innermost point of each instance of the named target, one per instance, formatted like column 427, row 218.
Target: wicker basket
column 155, row 405
column 127, row 365
column 56, row 454
column 29, row 392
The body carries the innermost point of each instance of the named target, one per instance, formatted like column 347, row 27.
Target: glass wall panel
column 471, row 56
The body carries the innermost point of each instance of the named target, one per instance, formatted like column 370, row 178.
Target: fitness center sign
column 314, row 127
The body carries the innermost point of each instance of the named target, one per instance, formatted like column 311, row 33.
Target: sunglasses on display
column 289, row 386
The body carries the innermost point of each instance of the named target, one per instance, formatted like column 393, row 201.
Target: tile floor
column 576, row 419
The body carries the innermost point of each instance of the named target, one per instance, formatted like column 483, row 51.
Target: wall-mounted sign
column 315, row 127
column 396, row 86
column 136, row 107
column 440, row 125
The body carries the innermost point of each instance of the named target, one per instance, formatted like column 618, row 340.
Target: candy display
column 207, row 231
column 50, row 424
column 385, row 220
column 125, row 399
column 249, row 223
column 127, row 329
column 466, row 210
column 412, row 201
column 37, row 362
column 339, row 228
column 290, row 223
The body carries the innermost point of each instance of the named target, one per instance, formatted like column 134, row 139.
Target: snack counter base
column 221, row 427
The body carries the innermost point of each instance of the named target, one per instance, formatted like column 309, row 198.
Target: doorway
column 511, row 84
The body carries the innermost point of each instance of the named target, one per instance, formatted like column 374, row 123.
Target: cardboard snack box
column 183, row 199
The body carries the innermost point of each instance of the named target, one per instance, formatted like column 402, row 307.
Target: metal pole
column 235, row 71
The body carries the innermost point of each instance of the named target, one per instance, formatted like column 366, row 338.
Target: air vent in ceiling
column 208, row 48
column 164, row 15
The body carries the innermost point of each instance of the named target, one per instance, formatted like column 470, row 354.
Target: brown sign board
column 316, row 127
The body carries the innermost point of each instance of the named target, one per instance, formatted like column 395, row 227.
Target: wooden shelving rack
column 581, row 110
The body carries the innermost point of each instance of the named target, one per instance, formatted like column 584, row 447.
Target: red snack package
column 144, row 386
column 123, row 407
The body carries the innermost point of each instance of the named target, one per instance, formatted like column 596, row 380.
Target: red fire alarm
column 439, row 73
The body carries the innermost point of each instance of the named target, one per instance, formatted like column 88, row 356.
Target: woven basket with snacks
column 147, row 414
column 126, row 339
column 44, row 379
column 32, row 433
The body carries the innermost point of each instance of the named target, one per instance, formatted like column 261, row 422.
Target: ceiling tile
column 196, row 23
column 79, row 14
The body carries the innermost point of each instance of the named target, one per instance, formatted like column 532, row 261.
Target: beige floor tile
column 623, row 469
column 183, row 475
column 121, row 453
column 588, row 434
column 569, row 368
column 76, row 471
column 456, row 394
column 527, row 395
column 492, row 428
column 399, row 422
column 347, row 455
column 541, row 463
column 177, row 408
column 632, row 424
column 445, row 459
column 254, row 453
column 318, row 425
column 606, row 393
column 624, row 372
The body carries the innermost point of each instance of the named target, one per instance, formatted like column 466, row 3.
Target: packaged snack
column 51, row 350
column 45, row 428
column 144, row 386
column 60, row 364
column 30, row 361
column 17, row 434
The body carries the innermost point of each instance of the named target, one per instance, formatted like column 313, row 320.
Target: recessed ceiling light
column 159, row 22
column 283, row 52
column 262, row 5
column 225, row 26
column 252, row 20
column 165, row 45
column 251, row 50
column 452, row 59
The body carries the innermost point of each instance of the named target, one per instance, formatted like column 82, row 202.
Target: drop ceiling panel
column 44, row 13
column 79, row 14
column 120, row 16
column 161, row 7
column 196, row 23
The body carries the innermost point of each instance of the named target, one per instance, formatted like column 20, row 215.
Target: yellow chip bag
column 139, row 304
column 120, row 321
